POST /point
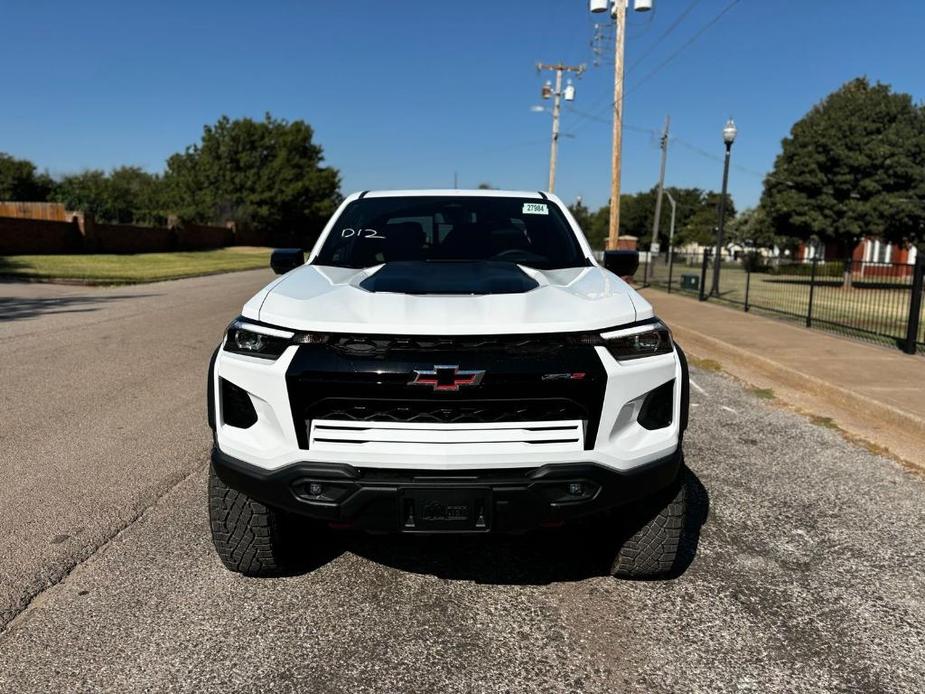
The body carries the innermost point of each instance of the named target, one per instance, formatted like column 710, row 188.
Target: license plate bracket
column 449, row 510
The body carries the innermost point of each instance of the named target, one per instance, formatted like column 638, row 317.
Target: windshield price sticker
column 535, row 208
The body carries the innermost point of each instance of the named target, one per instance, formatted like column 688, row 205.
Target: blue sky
column 405, row 93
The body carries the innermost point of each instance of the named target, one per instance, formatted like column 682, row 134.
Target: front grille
column 382, row 346
column 457, row 412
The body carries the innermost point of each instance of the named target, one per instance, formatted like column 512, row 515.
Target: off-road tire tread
column 651, row 550
column 248, row 535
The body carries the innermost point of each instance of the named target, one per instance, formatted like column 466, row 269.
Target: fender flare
column 685, row 388
column 210, row 391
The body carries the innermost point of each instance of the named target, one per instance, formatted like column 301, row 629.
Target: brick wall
column 245, row 236
column 127, row 238
column 20, row 236
column 195, row 237
column 38, row 236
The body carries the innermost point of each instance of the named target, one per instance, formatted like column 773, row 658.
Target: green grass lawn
column 877, row 306
column 133, row 268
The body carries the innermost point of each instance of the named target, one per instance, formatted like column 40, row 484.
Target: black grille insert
column 382, row 346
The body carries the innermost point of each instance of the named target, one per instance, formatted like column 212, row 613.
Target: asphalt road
column 809, row 572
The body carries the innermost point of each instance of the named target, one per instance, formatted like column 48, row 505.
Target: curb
column 12, row 278
column 870, row 415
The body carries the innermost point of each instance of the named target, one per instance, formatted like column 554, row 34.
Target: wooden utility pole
column 554, row 148
column 556, row 109
column 661, row 181
column 619, row 42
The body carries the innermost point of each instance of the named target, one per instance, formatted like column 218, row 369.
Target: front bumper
column 428, row 501
column 286, row 395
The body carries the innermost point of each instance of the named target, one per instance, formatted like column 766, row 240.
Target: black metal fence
column 882, row 302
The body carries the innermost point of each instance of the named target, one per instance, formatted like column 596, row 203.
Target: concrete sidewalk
column 872, row 392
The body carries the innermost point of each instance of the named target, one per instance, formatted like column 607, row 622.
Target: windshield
column 526, row 231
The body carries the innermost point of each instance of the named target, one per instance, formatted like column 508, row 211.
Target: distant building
column 869, row 250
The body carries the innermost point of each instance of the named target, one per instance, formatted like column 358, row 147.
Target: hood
column 458, row 300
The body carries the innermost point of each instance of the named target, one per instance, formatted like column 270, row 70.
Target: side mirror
column 622, row 263
column 282, row 260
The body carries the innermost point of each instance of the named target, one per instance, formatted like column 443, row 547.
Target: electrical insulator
column 642, row 5
column 569, row 91
column 599, row 5
column 547, row 90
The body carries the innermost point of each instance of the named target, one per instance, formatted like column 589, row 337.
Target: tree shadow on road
column 571, row 553
column 21, row 308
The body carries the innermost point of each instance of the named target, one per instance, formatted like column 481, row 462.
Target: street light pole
column 729, row 136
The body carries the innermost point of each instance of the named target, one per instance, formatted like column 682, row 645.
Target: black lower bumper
column 478, row 500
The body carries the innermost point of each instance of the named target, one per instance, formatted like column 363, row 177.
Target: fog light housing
column 237, row 408
column 657, row 409
column 569, row 492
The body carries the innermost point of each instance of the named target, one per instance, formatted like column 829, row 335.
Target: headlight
column 267, row 342
column 256, row 340
column 640, row 341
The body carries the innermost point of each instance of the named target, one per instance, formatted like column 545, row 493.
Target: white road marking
column 699, row 389
column 729, row 409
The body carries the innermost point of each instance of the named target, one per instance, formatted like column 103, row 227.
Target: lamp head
column 729, row 132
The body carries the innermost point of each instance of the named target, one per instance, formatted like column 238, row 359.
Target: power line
column 674, row 25
column 677, row 22
column 684, row 143
column 744, row 169
column 601, row 119
column 683, row 46
column 675, row 54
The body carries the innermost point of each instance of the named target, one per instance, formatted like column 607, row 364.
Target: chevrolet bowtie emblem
column 445, row 377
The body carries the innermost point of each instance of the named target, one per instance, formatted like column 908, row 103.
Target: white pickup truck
column 448, row 361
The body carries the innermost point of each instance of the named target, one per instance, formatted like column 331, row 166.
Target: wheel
column 651, row 533
column 250, row 537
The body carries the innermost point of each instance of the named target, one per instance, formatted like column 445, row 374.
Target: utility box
column 691, row 282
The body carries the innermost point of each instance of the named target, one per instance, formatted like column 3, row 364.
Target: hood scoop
column 449, row 277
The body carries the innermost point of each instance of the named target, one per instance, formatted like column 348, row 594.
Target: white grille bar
column 423, row 438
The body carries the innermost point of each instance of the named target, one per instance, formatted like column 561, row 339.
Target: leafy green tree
column 853, row 166
column 128, row 195
column 752, row 229
column 695, row 219
column 582, row 215
column 88, row 191
column 266, row 174
column 700, row 226
column 19, row 181
column 140, row 196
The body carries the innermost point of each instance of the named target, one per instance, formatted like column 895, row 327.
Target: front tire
column 249, row 537
column 651, row 533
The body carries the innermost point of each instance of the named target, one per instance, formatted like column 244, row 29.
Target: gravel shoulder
column 808, row 577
